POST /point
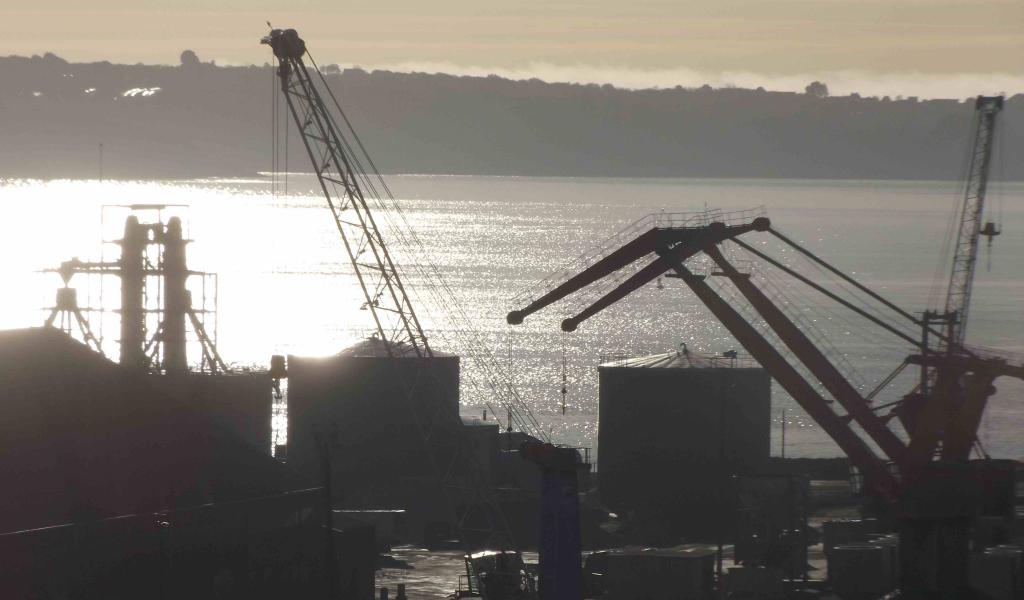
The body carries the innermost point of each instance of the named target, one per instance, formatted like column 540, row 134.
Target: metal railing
column 698, row 360
column 658, row 220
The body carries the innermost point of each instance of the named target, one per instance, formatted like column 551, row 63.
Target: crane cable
column 865, row 310
column 287, row 130
column 998, row 197
column 273, row 127
column 1000, row 174
column 528, row 424
column 946, row 252
column 782, row 288
column 279, row 120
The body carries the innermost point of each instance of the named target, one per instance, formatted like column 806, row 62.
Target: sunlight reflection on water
column 286, row 287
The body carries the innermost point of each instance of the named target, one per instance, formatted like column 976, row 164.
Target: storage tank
column 675, row 427
column 364, row 400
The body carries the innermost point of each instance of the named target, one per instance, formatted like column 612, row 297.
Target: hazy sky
column 951, row 43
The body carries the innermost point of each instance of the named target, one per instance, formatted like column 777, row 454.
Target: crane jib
column 337, row 163
column 329, row 151
column 961, row 280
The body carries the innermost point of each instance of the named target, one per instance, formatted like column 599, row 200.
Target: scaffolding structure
column 156, row 307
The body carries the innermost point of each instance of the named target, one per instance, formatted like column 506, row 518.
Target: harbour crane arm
column 878, row 478
column 671, row 253
column 631, row 284
column 813, row 358
column 672, row 247
column 632, row 251
column 692, row 238
column 384, row 293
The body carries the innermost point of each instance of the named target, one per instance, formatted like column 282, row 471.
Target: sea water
column 285, row 285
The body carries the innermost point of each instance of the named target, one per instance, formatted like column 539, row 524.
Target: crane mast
column 958, row 298
column 334, row 164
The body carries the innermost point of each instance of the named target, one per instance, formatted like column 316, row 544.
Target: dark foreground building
column 115, row 488
column 367, row 411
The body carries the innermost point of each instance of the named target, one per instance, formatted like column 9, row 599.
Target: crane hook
column 990, row 231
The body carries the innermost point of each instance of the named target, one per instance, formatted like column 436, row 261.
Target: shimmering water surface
column 285, row 285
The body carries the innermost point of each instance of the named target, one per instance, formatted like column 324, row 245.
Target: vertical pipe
column 723, row 478
column 176, row 298
column 133, row 278
column 783, row 433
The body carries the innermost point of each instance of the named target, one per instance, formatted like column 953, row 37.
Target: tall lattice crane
column 958, row 298
column 335, row 164
column 477, row 515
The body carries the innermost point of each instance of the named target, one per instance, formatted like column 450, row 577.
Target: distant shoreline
column 200, row 120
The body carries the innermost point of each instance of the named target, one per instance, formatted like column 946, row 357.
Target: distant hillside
column 202, row 120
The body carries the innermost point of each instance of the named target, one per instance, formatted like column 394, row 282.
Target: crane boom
column 878, row 479
column 333, row 162
column 673, row 246
column 958, row 298
column 813, row 358
column 941, row 415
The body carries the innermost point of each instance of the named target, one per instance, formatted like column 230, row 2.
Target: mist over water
column 285, row 285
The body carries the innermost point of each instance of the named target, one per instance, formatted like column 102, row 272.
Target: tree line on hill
column 198, row 119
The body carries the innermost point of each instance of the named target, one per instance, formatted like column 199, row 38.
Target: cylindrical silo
column 377, row 409
column 675, row 427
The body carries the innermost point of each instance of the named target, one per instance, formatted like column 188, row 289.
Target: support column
column 133, row 281
column 177, row 300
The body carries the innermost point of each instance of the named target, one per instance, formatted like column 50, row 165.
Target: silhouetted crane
column 336, row 163
column 961, row 280
column 933, row 494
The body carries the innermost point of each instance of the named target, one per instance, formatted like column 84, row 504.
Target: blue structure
column 561, row 568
